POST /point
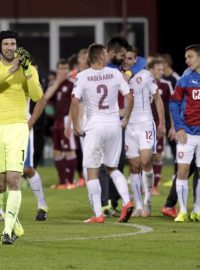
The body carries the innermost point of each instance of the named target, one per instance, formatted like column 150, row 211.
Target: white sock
column 182, row 192
column 136, row 186
column 148, row 179
column 36, row 186
column 94, row 190
column 197, row 198
column 121, row 185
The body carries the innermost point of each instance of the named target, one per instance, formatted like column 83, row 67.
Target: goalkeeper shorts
column 13, row 147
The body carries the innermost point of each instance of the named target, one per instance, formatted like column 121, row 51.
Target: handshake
column 24, row 58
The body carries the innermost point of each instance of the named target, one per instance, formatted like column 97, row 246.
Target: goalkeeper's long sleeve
column 34, row 86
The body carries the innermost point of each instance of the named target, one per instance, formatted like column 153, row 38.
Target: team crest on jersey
column 180, row 154
column 139, row 80
column 64, row 89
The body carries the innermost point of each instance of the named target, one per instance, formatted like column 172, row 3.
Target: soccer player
column 18, row 82
column 140, row 135
column 165, row 90
column 64, row 149
column 185, row 110
column 98, row 86
column 34, row 181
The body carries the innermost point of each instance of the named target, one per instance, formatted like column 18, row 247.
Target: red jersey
column 62, row 102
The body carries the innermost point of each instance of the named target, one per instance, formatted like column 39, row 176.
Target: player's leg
column 59, row 160
column 157, row 165
column 112, row 150
column 70, row 167
column 185, row 154
column 15, row 147
column 35, row 183
column 3, row 196
column 92, row 158
column 148, row 179
column 136, row 184
column 169, row 208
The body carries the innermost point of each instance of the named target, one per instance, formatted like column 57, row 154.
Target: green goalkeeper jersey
column 15, row 92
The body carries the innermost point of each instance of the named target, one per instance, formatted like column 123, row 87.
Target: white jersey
column 143, row 86
column 99, row 90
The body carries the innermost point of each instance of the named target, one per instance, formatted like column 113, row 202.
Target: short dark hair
column 116, row 43
column 8, row 34
column 193, row 47
column 154, row 61
column 62, row 61
column 132, row 49
column 94, row 51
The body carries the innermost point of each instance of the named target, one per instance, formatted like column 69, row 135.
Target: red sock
column 70, row 167
column 157, row 168
column 60, row 166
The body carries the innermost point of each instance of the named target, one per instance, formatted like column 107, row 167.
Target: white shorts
column 185, row 152
column 139, row 137
column 102, row 144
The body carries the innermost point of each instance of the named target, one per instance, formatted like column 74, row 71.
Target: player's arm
column 175, row 110
column 38, row 109
column 75, row 105
column 125, row 91
column 161, row 114
column 4, row 75
column 60, row 77
column 75, row 115
column 34, row 87
column 128, row 108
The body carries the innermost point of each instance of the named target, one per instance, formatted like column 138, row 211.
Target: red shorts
column 160, row 145
column 60, row 142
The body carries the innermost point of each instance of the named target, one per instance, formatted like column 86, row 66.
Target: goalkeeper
column 18, row 83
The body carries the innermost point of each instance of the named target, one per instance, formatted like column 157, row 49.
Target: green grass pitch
column 64, row 242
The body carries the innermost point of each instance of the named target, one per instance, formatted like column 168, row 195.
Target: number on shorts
column 102, row 88
column 149, row 135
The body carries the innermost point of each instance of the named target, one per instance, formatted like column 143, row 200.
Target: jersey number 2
column 102, row 89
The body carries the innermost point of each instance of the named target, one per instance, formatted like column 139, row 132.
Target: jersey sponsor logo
column 180, row 154
column 196, row 94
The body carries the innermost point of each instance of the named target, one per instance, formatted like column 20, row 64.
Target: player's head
column 192, row 56
column 130, row 57
column 83, row 59
column 116, row 49
column 155, row 66
column 97, row 54
column 8, row 44
column 63, row 66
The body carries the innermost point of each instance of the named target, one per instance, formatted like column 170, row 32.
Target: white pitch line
column 142, row 230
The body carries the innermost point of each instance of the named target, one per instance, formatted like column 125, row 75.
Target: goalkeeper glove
column 24, row 59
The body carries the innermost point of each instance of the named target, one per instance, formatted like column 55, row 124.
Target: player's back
column 100, row 93
column 143, row 86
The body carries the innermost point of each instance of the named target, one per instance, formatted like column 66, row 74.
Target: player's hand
column 78, row 131
column 127, row 75
column 172, row 134
column 24, row 59
column 181, row 136
column 161, row 131
column 124, row 122
column 67, row 132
